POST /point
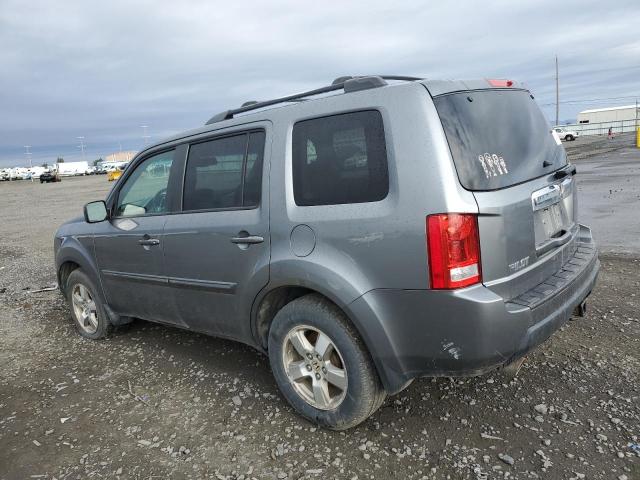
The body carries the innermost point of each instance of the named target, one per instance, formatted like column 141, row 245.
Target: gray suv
column 361, row 235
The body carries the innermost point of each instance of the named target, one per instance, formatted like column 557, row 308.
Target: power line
column 589, row 100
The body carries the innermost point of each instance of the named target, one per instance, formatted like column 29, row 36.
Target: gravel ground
column 158, row 402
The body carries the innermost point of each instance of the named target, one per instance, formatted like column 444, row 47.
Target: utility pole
column 28, row 154
column 144, row 134
column 557, row 94
column 636, row 127
column 81, row 146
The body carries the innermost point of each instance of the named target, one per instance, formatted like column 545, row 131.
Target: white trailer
column 67, row 169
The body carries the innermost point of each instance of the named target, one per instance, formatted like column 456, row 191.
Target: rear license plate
column 551, row 220
column 549, row 213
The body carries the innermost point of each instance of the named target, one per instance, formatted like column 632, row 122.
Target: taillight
column 500, row 83
column 453, row 244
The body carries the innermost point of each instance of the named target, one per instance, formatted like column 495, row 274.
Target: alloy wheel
column 84, row 308
column 315, row 367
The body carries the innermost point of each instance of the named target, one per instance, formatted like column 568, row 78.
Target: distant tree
column 60, row 160
column 45, row 165
column 97, row 161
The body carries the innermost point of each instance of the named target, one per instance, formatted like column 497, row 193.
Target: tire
column 345, row 362
column 569, row 138
column 96, row 324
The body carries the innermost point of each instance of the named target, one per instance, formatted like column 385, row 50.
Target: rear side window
column 253, row 170
column 340, row 159
column 498, row 138
column 224, row 173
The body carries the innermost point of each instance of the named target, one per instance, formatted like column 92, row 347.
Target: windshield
column 498, row 138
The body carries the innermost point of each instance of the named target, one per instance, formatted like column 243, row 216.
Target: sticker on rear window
column 492, row 164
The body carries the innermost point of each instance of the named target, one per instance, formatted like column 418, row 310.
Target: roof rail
column 384, row 77
column 346, row 83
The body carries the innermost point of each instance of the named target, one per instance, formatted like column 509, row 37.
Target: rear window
column 498, row 138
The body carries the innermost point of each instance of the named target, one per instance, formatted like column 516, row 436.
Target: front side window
column 224, row 173
column 340, row 159
column 145, row 190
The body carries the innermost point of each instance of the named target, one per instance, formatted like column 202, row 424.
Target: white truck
column 68, row 169
column 19, row 173
column 566, row 134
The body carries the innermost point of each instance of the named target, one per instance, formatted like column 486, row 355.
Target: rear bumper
column 414, row 333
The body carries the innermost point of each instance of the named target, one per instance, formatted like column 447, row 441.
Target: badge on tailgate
column 546, row 196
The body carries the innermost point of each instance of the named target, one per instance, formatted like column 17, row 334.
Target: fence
column 602, row 128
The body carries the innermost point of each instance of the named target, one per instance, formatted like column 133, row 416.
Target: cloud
column 102, row 69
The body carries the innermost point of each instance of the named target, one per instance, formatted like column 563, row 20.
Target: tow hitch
column 511, row 370
column 580, row 310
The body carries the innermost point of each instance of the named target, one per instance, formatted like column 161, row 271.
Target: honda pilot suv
column 361, row 235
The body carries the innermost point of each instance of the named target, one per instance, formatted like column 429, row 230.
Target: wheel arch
column 272, row 300
column 64, row 271
column 73, row 255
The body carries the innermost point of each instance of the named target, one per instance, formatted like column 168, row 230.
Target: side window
column 145, row 190
column 224, row 173
column 340, row 159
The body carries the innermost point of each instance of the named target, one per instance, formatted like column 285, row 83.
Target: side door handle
column 149, row 241
column 248, row 240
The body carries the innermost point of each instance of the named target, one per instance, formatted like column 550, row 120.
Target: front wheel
column 321, row 365
column 89, row 316
column 569, row 138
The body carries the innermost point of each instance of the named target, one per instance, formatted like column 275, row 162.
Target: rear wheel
column 90, row 319
column 321, row 365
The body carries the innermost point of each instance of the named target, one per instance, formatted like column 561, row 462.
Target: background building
column 597, row 121
column 611, row 114
column 119, row 157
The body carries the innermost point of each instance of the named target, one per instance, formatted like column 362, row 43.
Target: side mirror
column 95, row 212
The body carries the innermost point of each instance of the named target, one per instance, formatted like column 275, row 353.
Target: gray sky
column 102, row 69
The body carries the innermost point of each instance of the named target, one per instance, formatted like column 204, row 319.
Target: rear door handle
column 249, row 240
column 149, row 241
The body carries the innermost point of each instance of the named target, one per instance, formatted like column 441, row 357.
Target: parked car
column 115, row 174
column 49, row 177
column 389, row 231
column 566, row 134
